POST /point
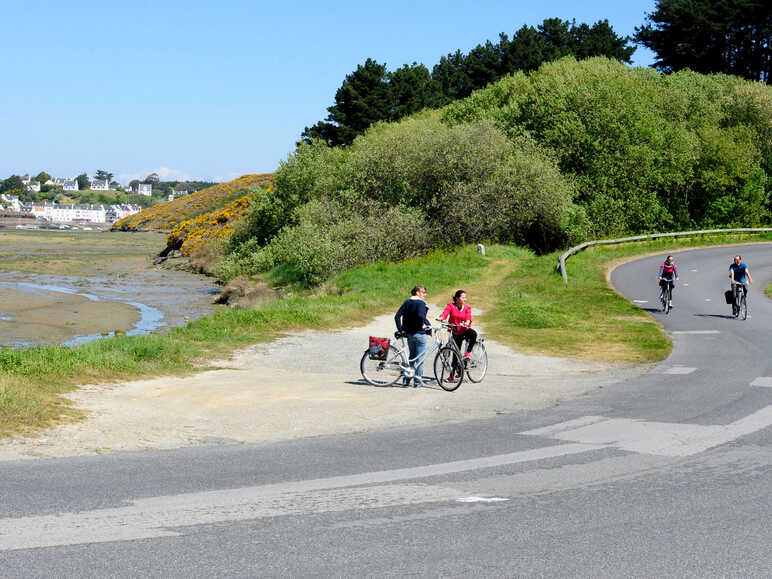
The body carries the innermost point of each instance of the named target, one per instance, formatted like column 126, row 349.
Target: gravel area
column 305, row 384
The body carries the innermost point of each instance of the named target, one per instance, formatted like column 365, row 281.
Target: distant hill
column 166, row 216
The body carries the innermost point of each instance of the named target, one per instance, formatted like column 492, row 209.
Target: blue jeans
column 416, row 344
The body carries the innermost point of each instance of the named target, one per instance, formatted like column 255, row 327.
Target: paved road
column 667, row 475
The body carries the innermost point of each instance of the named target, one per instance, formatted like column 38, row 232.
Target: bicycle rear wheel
column 382, row 372
column 477, row 363
column 445, row 361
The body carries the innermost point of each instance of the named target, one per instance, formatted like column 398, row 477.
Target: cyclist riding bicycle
column 739, row 276
column 668, row 275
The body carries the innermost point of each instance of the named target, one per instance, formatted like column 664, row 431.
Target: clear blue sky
column 213, row 90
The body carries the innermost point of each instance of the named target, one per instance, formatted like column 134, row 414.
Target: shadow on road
column 427, row 384
column 724, row 316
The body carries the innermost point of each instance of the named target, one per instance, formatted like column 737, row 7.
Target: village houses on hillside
column 58, row 213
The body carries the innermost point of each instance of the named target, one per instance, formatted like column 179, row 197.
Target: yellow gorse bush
column 166, row 216
column 218, row 224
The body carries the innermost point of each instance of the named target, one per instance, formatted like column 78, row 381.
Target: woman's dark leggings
column 471, row 337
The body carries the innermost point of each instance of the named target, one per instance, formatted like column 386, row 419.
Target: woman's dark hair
column 457, row 295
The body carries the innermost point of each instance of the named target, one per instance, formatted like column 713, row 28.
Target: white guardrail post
column 561, row 266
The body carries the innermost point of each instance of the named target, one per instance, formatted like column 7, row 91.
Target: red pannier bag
column 379, row 348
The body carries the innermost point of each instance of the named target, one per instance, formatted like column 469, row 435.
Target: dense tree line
column 371, row 93
column 571, row 151
column 708, row 36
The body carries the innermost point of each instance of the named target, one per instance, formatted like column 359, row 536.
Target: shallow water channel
column 72, row 287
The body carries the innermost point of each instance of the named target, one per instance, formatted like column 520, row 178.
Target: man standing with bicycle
column 739, row 275
column 412, row 322
column 668, row 275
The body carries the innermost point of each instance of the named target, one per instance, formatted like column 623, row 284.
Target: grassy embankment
column 526, row 304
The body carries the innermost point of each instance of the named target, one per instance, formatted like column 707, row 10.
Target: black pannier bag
column 379, row 348
column 729, row 296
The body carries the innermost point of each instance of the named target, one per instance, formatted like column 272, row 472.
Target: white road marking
column 657, row 438
column 153, row 517
column 694, row 270
column 764, row 381
column 707, row 299
column 686, row 284
column 696, row 332
column 640, row 301
column 679, row 370
column 481, row 500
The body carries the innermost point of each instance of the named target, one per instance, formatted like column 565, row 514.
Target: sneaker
column 450, row 379
column 468, row 355
column 417, row 383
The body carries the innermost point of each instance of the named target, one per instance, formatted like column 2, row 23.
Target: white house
column 11, row 202
column 116, row 212
column 26, row 180
column 70, row 185
column 69, row 213
column 100, row 185
column 33, row 186
column 145, row 189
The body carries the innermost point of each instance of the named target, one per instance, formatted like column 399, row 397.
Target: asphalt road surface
column 666, row 475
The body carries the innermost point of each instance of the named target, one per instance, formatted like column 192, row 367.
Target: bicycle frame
column 409, row 369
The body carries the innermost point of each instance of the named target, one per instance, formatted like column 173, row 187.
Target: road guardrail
column 561, row 266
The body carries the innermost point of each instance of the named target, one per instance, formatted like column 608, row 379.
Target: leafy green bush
column 647, row 151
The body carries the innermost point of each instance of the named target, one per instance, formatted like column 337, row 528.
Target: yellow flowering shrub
column 165, row 216
column 193, row 233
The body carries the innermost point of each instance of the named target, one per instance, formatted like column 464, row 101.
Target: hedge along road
column 666, row 474
column 305, row 384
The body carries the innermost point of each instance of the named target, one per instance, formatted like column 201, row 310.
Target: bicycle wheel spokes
column 477, row 363
column 382, row 372
column 445, row 362
column 743, row 307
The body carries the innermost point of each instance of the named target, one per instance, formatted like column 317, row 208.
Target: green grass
column 525, row 303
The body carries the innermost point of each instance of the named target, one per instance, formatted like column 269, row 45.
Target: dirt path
column 306, row 384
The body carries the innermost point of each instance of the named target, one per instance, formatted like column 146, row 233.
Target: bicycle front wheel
column 445, row 362
column 477, row 363
column 382, row 372
column 663, row 299
column 743, row 307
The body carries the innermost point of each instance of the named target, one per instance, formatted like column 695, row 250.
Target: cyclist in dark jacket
column 411, row 321
column 739, row 276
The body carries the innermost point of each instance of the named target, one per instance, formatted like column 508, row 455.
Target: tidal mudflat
column 72, row 286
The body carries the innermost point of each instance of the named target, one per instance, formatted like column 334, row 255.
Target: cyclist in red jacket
column 668, row 274
column 459, row 313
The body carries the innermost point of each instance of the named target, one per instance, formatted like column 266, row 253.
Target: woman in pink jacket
column 460, row 314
